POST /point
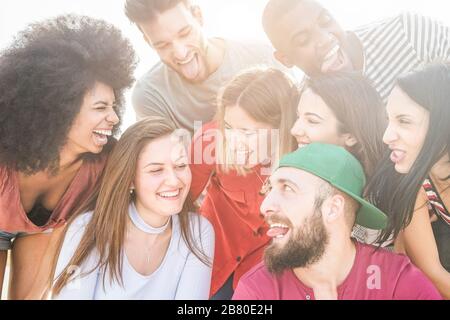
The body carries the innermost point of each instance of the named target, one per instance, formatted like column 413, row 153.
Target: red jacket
column 232, row 205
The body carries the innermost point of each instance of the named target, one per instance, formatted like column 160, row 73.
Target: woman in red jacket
column 232, row 156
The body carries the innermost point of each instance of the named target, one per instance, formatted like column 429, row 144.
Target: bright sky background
column 239, row 19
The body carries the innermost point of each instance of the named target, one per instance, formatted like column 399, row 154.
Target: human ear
column 350, row 140
column 333, row 208
column 197, row 14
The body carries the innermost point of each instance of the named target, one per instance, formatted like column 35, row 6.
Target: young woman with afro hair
column 61, row 97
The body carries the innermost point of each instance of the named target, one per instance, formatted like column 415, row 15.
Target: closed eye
column 161, row 46
column 185, row 32
column 403, row 120
column 181, row 166
column 155, row 170
column 104, row 106
column 287, row 188
column 312, row 121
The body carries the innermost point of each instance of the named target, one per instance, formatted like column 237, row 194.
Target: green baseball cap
column 343, row 171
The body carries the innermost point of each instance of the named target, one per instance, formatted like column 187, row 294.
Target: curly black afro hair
column 44, row 76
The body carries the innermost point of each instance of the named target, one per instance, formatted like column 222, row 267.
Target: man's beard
column 305, row 246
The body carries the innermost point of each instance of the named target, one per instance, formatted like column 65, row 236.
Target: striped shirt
column 435, row 203
column 401, row 44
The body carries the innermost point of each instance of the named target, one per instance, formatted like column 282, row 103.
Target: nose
column 113, row 118
column 171, row 178
column 390, row 135
column 180, row 51
column 297, row 130
column 268, row 206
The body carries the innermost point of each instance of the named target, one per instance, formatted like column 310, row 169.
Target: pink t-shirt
column 375, row 275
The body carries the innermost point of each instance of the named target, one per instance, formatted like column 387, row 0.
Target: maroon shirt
column 14, row 219
column 375, row 275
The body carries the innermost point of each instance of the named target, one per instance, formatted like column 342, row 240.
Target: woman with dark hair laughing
column 61, row 98
column 412, row 185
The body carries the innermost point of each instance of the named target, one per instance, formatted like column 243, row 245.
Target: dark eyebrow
column 158, row 43
column 161, row 164
column 228, row 126
column 184, row 29
column 282, row 181
column 313, row 114
column 104, row 103
column 402, row 116
column 153, row 164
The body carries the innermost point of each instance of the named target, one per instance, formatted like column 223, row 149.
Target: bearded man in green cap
column 312, row 202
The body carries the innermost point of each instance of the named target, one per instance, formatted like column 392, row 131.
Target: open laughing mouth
column 169, row 195
column 190, row 66
column 397, row 155
column 101, row 136
column 334, row 60
column 277, row 230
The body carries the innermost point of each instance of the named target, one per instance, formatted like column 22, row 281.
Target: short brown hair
column 144, row 10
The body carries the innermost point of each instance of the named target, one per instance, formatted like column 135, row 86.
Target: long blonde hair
column 267, row 95
column 105, row 232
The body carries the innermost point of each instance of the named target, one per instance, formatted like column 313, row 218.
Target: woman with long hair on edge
column 412, row 185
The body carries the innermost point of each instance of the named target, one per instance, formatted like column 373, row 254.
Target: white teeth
column 169, row 194
column 302, row 145
column 103, row 132
column 332, row 52
column 278, row 225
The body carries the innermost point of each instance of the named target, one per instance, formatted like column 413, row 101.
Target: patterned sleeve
column 430, row 38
